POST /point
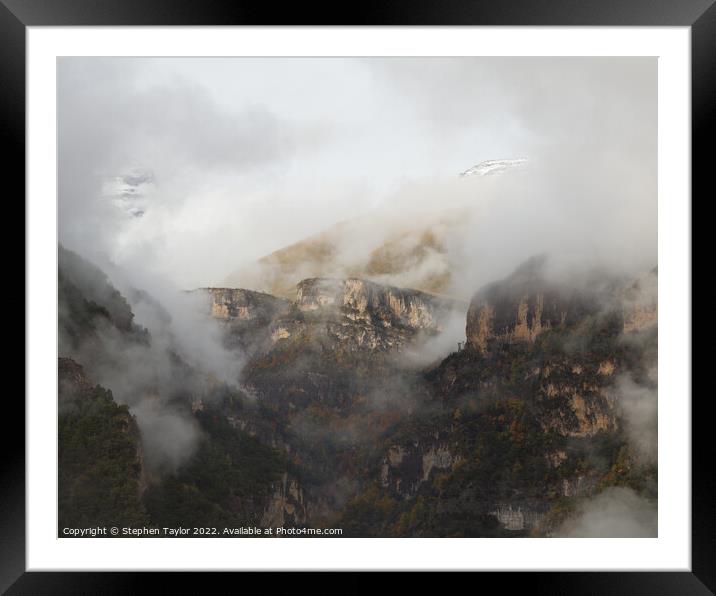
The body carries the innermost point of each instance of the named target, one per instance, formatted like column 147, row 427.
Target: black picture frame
column 17, row 15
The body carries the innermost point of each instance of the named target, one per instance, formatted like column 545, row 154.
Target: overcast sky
column 249, row 155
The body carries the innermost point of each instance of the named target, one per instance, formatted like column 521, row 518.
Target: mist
column 241, row 157
column 638, row 405
column 241, row 170
column 616, row 512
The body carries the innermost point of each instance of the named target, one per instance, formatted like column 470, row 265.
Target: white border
column 671, row 550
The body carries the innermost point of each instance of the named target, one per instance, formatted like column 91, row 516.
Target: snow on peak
column 128, row 191
column 495, row 166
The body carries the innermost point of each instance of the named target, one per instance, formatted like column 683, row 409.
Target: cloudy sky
column 247, row 155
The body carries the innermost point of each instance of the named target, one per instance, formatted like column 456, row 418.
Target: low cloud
column 240, row 170
column 169, row 437
column 250, row 155
column 157, row 362
column 638, row 406
column 617, row 512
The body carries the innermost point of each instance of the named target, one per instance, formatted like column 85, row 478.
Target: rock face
column 126, row 403
column 353, row 313
column 368, row 302
column 246, row 316
column 521, row 307
column 406, row 467
column 499, row 432
column 359, row 314
column 528, row 303
column 286, row 506
column 571, row 334
column 517, row 517
column 320, row 364
column 236, row 304
column 540, row 376
column 339, row 345
column 332, row 424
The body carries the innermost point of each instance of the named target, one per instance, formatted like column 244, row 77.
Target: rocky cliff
column 236, row 304
column 331, row 424
column 498, row 432
column 527, row 418
column 286, row 506
column 246, row 316
column 524, row 305
column 148, row 441
column 530, row 302
column 360, row 300
column 328, row 368
column 353, row 313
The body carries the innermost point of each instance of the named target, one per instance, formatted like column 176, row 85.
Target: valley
column 355, row 408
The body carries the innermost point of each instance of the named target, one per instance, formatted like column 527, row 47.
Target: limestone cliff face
column 406, row 467
column 524, row 305
column 571, row 394
column 338, row 344
column 519, row 318
column 246, row 315
column 352, row 313
column 521, row 307
column 574, row 398
column 286, row 506
column 544, row 360
column 499, row 433
column 516, row 517
column 236, row 304
column 575, row 368
column 358, row 315
column 365, row 301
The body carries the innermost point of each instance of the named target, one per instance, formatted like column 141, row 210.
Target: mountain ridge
column 333, row 420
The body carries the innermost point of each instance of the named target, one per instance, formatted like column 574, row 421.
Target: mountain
column 351, row 411
column 383, row 248
column 500, row 438
column 387, row 246
column 136, row 445
column 529, row 420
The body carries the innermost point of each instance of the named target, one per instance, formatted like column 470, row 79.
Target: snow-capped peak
column 128, row 191
column 495, row 166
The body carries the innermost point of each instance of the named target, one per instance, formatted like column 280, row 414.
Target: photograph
column 357, row 297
